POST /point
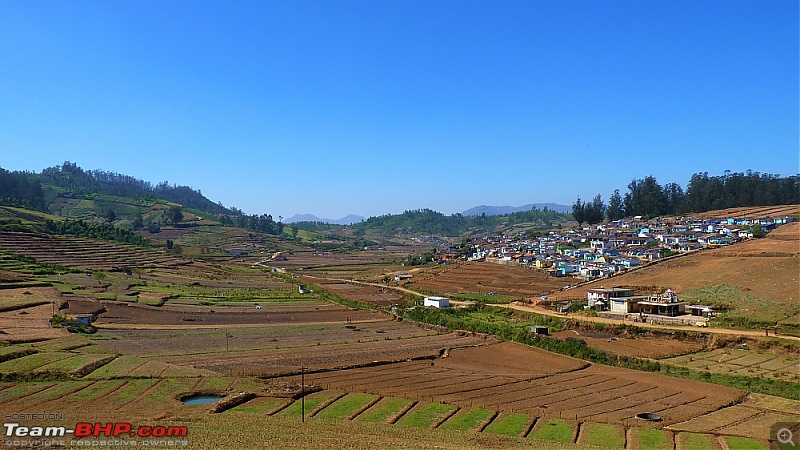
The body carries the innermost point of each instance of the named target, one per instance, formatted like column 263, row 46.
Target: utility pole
column 226, row 340
column 303, row 394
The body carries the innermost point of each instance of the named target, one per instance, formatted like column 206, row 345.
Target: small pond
column 194, row 400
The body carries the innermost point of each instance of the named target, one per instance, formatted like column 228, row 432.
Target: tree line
column 70, row 177
column 81, row 228
column 21, row 189
column 647, row 198
column 432, row 222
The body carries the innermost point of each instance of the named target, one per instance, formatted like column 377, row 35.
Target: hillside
column 755, row 283
column 501, row 210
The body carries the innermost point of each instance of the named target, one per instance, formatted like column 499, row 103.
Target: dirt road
column 727, row 331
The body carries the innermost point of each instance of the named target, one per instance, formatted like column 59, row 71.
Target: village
column 602, row 251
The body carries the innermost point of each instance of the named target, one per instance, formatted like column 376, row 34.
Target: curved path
column 728, row 331
column 547, row 312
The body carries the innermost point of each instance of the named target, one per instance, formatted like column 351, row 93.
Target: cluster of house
column 622, row 301
column 603, row 250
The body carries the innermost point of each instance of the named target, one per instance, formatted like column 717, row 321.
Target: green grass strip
column 97, row 390
column 603, row 435
column 512, row 424
column 426, row 415
column 345, row 406
column 130, row 391
column 384, row 409
column 696, row 441
column 21, row 390
column 744, row 443
column 557, row 430
column 652, row 439
column 311, row 403
column 467, row 420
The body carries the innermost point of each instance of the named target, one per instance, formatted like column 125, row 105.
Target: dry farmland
column 514, row 378
column 484, row 277
column 175, row 326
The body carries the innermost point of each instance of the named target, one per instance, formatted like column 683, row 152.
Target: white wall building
column 437, row 302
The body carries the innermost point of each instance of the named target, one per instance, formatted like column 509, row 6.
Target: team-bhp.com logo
column 88, row 429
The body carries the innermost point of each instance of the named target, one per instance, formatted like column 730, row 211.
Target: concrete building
column 437, row 302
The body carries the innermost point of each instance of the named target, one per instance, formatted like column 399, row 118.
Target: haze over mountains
column 501, row 210
column 476, row 211
column 346, row 220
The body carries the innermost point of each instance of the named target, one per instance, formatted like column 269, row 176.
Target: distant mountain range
column 500, row 210
column 476, row 211
column 346, row 220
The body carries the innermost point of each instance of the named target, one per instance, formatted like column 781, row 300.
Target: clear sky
column 370, row 107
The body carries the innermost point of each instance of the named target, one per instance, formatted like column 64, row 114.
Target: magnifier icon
column 785, row 436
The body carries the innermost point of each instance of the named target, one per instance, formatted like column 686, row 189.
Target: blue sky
column 371, row 107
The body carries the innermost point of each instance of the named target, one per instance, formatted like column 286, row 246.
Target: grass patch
column 652, row 439
column 311, row 403
column 426, row 415
column 345, row 406
column 260, row 405
column 557, row 430
column 695, row 441
column 22, row 390
column 75, row 364
column 744, row 443
column 384, row 409
column 31, row 362
column 469, row 420
column 513, row 424
column 56, row 391
column 602, row 435
column 97, row 389
column 120, row 367
column 130, row 391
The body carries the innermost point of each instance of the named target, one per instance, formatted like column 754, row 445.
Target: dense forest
column 28, row 189
column 431, row 222
column 21, row 189
column 71, row 178
column 647, row 198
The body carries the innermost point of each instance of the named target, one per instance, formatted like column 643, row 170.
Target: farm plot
column 552, row 386
column 72, row 364
column 182, row 342
column 642, row 347
column 366, row 294
column 426, row 415
column 346, row 406
column 483, row 277
column 742, row 362
column 28, row 324
column 751, row 418
column 510, row 424
column 272, row 362
column 473, row 419
column 83, row 253
column 122, row 316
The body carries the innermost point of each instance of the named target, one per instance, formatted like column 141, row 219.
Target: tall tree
column 615, row 210
column 174, row 214
column 646, row 198
column 579, row 211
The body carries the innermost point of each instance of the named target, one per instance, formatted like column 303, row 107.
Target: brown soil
column 642, row 347
column 540, row 384
column 483, row 277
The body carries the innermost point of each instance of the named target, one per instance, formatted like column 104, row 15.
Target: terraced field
column 742, row 362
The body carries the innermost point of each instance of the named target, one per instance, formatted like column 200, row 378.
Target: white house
column 437, row 302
